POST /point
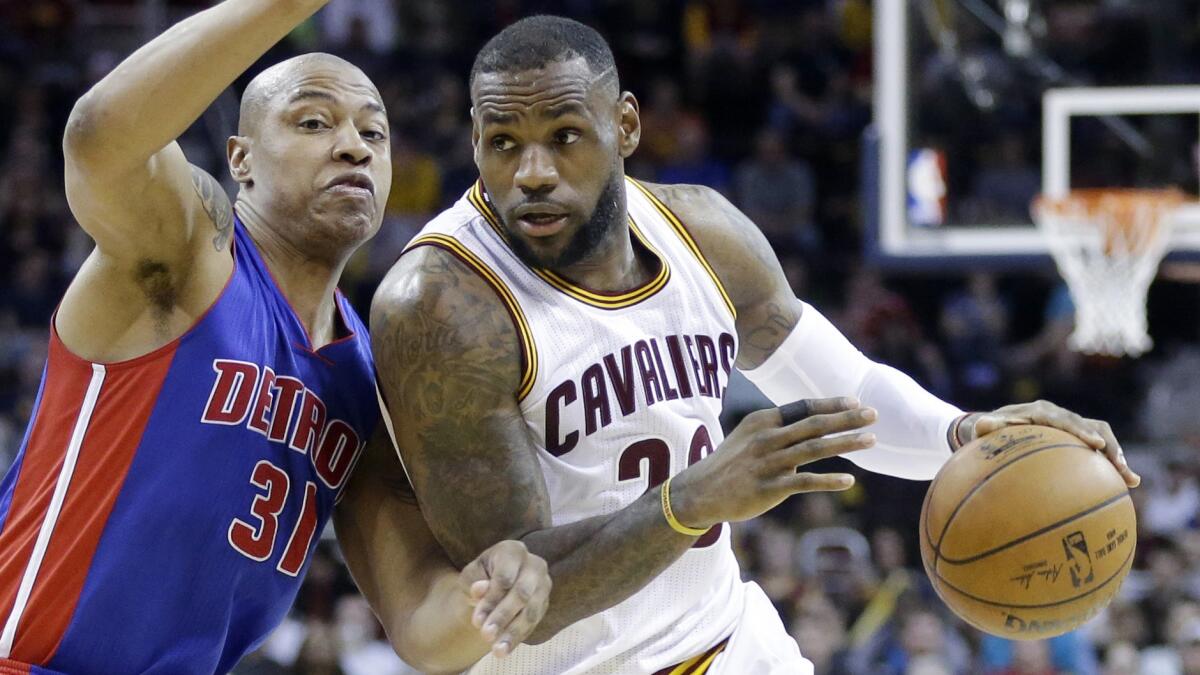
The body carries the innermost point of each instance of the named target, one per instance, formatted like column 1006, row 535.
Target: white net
column 1107, row 245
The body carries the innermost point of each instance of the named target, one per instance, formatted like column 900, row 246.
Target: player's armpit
column 162, row 258
column 743, row 260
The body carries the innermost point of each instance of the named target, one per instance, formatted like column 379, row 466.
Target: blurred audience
column 765, row 101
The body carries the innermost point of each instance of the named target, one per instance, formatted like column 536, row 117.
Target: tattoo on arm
column 449, row 364
column 746, row 264
column 216, row 204
column 767, row 309
column 771, row 327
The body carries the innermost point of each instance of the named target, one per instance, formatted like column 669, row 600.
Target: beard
column 586, row 239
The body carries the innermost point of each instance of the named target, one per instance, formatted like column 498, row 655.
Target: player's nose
column 350, row 146
column 536, row 171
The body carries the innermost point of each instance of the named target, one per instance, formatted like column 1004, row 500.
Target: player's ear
column 237, row 152
column 629, row 124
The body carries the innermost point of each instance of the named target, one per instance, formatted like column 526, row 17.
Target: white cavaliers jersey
column 620, row 391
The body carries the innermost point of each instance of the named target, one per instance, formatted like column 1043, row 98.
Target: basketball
column 1027, row 532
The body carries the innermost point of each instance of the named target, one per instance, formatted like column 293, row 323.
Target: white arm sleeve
column 817, row 361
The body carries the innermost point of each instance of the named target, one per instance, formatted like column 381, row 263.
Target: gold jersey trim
column 529, row 355
column 594, row 298
column 682, row 231
column 697, row 665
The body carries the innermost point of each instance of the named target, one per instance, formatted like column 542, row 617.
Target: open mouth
column 542, row 224
column 541, row 220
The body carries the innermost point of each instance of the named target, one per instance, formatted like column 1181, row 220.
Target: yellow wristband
column 671, row 519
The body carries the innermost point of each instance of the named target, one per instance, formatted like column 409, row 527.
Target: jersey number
column 258, row 541
column 657, row 457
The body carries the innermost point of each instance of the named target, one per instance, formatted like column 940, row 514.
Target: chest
column 607, row 377
column 254, row 437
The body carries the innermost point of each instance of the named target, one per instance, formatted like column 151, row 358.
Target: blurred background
column 770, row 102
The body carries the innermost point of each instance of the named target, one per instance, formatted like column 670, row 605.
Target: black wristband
column 793, row 412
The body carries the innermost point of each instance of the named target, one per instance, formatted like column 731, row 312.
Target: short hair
column 534, row 42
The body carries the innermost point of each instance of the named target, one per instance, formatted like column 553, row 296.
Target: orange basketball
column 1027, row 532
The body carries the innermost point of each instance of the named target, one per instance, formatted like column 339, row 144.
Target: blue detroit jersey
column 162, row 511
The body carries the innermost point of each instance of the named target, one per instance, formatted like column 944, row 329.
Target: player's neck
column 614, row 266
column 308, row 284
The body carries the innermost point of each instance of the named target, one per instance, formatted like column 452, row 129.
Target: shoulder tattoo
column 216, row 204
column 452, row 336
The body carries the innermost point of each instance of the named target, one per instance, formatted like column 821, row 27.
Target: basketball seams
column 1100, row 506
column 1023, row 612
column 1010, row 605
column 937, row 548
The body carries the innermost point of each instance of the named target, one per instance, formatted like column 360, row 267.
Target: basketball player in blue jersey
column 553, row 350
column 208, row 390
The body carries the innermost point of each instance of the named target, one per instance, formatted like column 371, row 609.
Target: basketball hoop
column 1107, row 245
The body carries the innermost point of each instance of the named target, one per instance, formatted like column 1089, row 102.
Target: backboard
column 973, row 119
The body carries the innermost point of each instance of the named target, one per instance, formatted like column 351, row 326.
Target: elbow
column 81, row 126
column 430, row 663
column 427, row 653
column 86, row 134
column 425, row 663
column 418, row 656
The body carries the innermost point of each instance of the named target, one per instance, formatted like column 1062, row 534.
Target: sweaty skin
column 572, row 113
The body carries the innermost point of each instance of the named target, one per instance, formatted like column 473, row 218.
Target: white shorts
column 759, row 643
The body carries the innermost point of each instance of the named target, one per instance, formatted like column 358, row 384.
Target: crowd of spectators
column 767, row 101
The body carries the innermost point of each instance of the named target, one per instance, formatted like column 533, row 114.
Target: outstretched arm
column 127, row 179
column 790, row 351
column 162, row 227
column 449, row 365
column 424, row 603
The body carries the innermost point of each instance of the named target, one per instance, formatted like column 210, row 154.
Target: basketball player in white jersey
column 554, row 348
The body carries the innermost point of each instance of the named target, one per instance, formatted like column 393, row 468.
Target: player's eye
column 567, row 136
column 502, row 143
column 374, row 135
column 312, row 124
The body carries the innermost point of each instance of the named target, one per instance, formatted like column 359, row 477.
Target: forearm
column 599, row 562
column 438, row 637
column 449, row 364
column 815, row 360
column 412, row 587
column 152, row 97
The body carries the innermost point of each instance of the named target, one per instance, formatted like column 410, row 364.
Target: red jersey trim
column 81, row 445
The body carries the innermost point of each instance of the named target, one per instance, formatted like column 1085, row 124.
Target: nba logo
column 926, row 186
column 1076, row 549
